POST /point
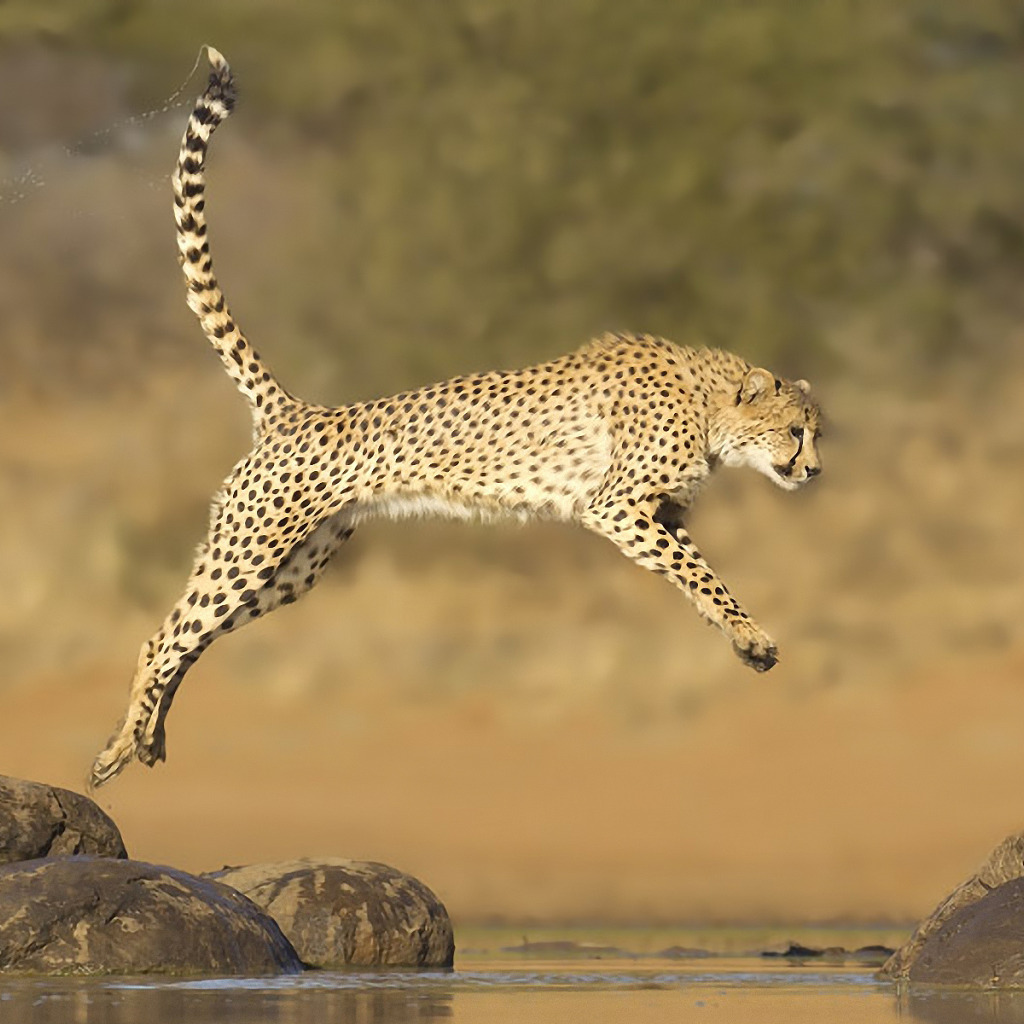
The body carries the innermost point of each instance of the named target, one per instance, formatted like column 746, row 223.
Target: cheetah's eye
column 797, row 432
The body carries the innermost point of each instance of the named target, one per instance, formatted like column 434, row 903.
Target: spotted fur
column 618, row 436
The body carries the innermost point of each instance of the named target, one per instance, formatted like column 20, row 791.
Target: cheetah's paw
column 755, row 648
column 113, row 759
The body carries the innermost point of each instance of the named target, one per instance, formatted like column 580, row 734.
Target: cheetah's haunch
column 618, row 436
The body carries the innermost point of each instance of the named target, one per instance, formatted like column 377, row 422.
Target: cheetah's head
column 772, row 426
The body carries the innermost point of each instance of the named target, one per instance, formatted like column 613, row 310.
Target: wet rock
column 37, row 820
column 85, row 915
column 1005, row 864
column 795, row 951
column 981, row 944
column 343, row 912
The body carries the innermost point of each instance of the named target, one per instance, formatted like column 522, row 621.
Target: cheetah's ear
column 802, row 385
column 756, row 384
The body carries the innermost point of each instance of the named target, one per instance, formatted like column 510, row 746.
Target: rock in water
column 981, row 944
column 37, row 820
column 343, row 912
column 1004, row 864
column 85, row 915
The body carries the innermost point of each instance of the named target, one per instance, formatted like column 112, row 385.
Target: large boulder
column 1004, row 864
column 85, row 915
column 982, row 944
column 37, row 820
column 343, row 912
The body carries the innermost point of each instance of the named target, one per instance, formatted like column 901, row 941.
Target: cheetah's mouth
column 784, row 477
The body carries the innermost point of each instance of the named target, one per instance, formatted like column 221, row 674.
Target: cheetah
column 618, row 436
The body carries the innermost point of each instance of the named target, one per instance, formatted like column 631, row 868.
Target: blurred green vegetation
column 490, row 181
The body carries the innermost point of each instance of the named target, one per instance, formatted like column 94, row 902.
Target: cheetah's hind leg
column 297, row 574
column 167, row 656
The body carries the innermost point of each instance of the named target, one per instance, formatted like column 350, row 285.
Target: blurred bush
column 447, row 186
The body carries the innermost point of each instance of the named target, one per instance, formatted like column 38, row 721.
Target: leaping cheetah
column 618, row 436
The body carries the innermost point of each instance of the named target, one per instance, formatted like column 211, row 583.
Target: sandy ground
column 761, row 808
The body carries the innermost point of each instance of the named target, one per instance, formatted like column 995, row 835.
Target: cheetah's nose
column 812, row 471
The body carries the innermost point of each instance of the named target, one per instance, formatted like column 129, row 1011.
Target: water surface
column 736, row 990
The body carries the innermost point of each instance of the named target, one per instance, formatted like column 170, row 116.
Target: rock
column 981, row 944
column 343, row 912
column 85, row 915
column 1005, row 864
column 798, row 953
column 795, row 951
column 872, row 956
column 37, row 820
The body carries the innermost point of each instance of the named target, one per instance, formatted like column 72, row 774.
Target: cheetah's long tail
column 205, row 298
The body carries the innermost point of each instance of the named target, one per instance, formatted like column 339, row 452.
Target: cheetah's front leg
column 651, row 533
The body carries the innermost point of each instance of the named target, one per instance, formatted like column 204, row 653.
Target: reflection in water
column 952, row 1007
column 737, row 991
column 544, row 993
column 76, row 1002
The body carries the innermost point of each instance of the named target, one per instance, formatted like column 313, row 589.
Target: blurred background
column 535, row 727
